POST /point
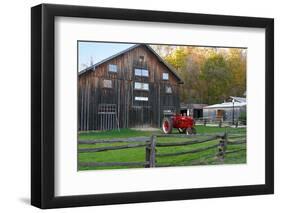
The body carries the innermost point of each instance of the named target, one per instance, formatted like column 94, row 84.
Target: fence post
column 205, row 122
column 147, row 154
column 222, row 147
column 220, row 123
column 150, row 152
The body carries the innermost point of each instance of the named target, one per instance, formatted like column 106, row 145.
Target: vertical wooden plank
column 101, row 122
column 153, row 152
column 147, row 153
column 104, row 121
column 94, row 108
column 85, row 108
column 107, row 121
column 127, row 102
column 222, row 147
column 109, row 118
column 118, row 98
column 82, row 109
column 88, row 103
column 106, row 118
column 110, row 121
column 150, row 152
column 159, row 106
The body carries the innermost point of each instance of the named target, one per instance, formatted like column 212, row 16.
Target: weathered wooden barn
column 134, row 88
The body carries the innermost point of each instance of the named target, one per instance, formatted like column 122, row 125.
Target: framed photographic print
column 139, row 106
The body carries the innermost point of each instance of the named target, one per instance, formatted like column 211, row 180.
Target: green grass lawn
column 138, row 154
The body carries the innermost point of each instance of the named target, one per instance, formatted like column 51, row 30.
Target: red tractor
column 184, row 124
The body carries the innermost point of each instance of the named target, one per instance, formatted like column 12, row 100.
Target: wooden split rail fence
column 220, row 123
column 150, row 144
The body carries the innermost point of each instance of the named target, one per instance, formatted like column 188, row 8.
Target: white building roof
column 238, row 102
column 239, row 99
column 226, row 105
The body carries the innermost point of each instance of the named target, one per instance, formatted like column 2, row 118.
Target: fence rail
column 220, row 122
column 96, row 164
column 197, row 141
column 187, row 152
column 109, row 148
column 115, row 140
column 151, row 144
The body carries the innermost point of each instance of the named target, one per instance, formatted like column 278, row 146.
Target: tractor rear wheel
column 167, row 126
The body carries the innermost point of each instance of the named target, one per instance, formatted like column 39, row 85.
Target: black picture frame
column 43, row 102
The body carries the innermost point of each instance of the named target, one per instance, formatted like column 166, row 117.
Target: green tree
column 217, row 77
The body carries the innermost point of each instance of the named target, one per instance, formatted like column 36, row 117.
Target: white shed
column 227, row 111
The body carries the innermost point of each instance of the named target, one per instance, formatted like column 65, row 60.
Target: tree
column 187, row 61
column 217, row 77
column 210, row 74
column 236, row 60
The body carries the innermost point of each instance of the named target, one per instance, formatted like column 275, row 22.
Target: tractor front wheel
column 167, row 126
column 182, row 130
column 191, row 131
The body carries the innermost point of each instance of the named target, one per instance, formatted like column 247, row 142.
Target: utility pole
column 233, row 111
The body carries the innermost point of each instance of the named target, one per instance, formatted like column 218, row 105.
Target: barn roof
column 170, row 68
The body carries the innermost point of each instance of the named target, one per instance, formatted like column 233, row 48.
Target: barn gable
column 169, row 68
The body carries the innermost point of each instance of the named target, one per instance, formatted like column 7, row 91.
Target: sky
column 97, row 51
column 94, row 52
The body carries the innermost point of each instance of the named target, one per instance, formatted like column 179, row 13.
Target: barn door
column 141, row 117
column 145, row 116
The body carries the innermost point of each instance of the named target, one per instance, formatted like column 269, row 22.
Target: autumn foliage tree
column 210, row 75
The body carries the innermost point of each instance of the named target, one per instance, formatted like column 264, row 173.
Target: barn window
column 137, row 72
column 165, row 76
column 107, row 84
column 138, row 98
column 112, row 68
column 141, row 72
column 168, row 89
column 145, row 73
column 141, row 86
column 168, row 112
